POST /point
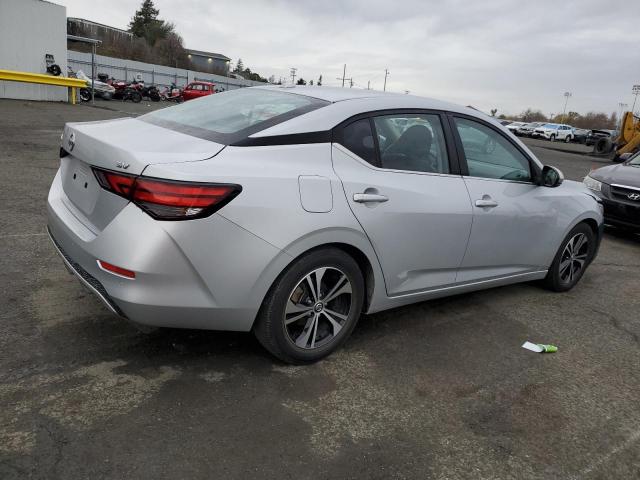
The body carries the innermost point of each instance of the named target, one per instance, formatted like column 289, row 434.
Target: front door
column 398, row 182
column 512, row 217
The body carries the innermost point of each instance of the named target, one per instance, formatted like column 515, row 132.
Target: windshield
column 232, row 116
column 635, row 160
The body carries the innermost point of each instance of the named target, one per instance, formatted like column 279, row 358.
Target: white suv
column 554, row 131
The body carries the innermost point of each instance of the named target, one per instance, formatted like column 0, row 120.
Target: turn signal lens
column 169, row 199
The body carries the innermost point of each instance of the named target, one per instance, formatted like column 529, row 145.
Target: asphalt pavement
column 440, row 389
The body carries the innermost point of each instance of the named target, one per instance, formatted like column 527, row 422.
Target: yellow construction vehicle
column 625, row 144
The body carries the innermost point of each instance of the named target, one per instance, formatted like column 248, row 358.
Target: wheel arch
column 354, row 243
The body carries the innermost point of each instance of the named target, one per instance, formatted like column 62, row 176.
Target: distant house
column 208, row 62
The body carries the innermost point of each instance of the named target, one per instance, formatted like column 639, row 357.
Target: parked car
column 505, row 122
column 597, row 134
column 527, row 129
column 618, row 186
column 198, row 90
column 580, row 135
column 514, row 126
column 554, row 131
column 361, row 202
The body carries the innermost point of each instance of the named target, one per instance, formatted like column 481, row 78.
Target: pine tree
column 319, row 81
column 146, row 16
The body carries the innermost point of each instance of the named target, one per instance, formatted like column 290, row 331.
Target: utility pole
column 344, row 75
column 351, row 82
column 293, row 75
column 386, row 72
column 635, row 90
column 566, row 100
column 368, row 84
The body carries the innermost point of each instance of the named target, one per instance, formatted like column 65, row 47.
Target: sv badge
column 122, row 165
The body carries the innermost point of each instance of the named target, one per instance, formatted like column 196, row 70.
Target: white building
column 30, row 29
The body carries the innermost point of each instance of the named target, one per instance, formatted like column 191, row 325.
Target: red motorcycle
column 125, row 91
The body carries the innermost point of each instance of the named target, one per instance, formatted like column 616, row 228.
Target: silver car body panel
column 427, row 241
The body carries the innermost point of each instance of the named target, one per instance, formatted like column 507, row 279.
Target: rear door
column 511, row 214
column 402, row 183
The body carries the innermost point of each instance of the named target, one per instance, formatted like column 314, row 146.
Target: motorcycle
column 101, row 89
column 125, row 91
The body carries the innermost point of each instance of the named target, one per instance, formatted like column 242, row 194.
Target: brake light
column 169, row 199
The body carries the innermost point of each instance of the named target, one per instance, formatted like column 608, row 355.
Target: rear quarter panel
column 270, row 205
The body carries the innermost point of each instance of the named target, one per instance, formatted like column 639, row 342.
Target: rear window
column 233, row 115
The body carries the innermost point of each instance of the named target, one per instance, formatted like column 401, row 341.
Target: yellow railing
column 27, row 77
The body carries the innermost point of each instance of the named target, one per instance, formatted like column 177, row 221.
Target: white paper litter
column 533, row 347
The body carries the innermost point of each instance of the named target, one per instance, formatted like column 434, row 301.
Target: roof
column 109, row 27
column 201, row 53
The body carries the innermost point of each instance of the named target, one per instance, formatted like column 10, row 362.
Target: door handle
column 486, row 203
column 369, row 197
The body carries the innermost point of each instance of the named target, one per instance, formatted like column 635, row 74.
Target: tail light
column 169, row 199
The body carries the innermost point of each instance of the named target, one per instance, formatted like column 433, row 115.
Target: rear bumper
column 203, row 274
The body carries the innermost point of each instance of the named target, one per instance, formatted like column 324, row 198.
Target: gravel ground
column 440, row 389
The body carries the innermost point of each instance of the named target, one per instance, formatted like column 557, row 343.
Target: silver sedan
column 290, row 211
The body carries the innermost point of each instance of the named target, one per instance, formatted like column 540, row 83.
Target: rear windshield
column 231, row 116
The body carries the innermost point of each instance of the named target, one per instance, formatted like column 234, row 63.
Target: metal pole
column 566, row 100
column 386, row 72
column 93, row 73
column 368, row 84
column 344, row 74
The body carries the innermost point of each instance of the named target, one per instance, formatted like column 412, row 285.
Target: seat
column 410, row 151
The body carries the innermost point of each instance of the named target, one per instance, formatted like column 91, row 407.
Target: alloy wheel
column 318, row 308
column 574, row 258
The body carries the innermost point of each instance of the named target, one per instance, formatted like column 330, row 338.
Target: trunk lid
column 126, row 145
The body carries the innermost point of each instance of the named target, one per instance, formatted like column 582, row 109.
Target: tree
column 319, row 81
column 301, row 81
column 145, row 24
column 494, row 111
column 530, row 115
column 310, row 82
column 239, row 67
column 145, row 16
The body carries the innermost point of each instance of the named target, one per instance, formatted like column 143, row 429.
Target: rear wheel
column 567, row 139
column 85, row 94
column 552, row 138
column 136, row 97
column 312, row 308
column 572, row 259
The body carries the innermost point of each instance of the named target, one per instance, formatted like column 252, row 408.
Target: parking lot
column 440, row 389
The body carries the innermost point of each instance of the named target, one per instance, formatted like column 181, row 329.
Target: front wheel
column 572, row 259
column 567, row 139
column 85, row 94
column 312, row 307
column 552, row 138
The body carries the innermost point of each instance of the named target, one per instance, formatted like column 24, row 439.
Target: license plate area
column 80, row 185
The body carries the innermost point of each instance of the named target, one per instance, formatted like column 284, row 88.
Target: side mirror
column 625, row 156
column 551, row 177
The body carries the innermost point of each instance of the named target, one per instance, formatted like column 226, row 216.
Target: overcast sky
column 500, row 54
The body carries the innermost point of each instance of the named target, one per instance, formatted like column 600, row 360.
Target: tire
column 567, row 139
column 562, row 276
column 552, row 138
column 603, row 145
column 135, row 97
column 85, row 94
column 295, row 341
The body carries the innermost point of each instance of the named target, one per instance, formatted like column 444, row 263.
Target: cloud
column 496, row 53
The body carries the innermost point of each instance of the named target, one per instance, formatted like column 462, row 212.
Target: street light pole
column 635, row 90
column 386, row 73
column 566, row 100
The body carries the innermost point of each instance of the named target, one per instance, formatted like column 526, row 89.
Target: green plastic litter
column 548, row 348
